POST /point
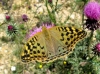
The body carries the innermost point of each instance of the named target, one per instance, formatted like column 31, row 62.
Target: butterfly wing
column 64, row 40
column 34, row 49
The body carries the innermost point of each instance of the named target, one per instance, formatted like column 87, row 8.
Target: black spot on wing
column 76, row 30
column 62, row 37
column 34, row 52
column 41, row 47
column 38, row 44
column 71, row 30
column 64, row 29
column 25, row 51
column 68, row 39
column 38, row 51
column 67, row 33
column 71, row 36
column 34, row 47
column 27, row 44
column 66, row 43
column 43, row 53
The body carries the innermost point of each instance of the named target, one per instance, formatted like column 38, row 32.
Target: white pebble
column 2, row 18
column 0, row 48
column 5, row 71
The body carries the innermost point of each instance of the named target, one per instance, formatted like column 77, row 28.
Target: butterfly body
column 51, row 44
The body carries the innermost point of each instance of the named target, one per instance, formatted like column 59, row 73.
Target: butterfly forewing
column 51, row 44
column 34, row 49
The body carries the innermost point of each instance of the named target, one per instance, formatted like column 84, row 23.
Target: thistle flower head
column 38, row 29
column 49, row 1
column 8, row 18
column 92, row 10
column 24, row 17
column 11, row 29
column 97, row 47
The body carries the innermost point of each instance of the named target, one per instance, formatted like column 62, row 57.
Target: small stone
column 2, row 67
column 26, row 72
column 2, row 18
column 5, row 71
column 0, row 48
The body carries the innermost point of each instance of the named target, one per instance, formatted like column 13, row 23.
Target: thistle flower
column 24, row 18
column 49, row 1
column 92, row 12
column 8, row 18
column 97, row 49
column 36, row 29
column 11, row 29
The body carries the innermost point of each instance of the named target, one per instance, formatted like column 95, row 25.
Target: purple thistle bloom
column 10, row 27
column 49, row 1
column 36, row 29
column 92, row 10
column 24, row 18
column 8, row 18
column 97, row 47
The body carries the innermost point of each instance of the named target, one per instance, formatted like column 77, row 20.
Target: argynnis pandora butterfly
column 51, row 44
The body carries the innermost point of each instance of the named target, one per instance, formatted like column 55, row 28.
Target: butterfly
column 51, row 44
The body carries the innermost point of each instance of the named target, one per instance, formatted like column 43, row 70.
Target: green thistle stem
column 83, row 15
column 27, row 26
column 56, row 5
column 18, row 41
column 3, row 23
column 89, row 43
column 77, row 63
column 50, row 14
